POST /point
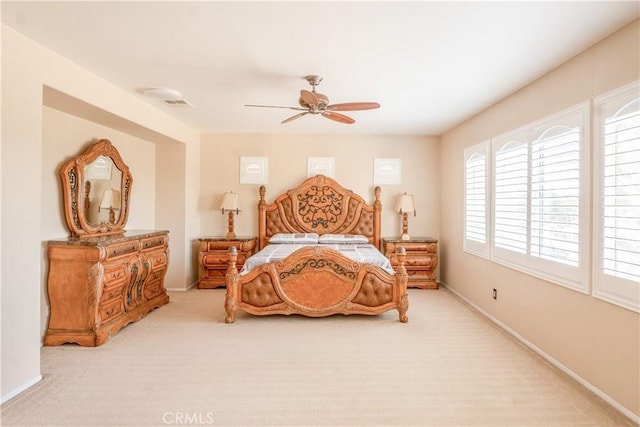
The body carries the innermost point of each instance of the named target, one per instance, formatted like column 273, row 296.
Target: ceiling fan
column 312, row 102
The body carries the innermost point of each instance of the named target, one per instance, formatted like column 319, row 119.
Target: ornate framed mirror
column 96, row 187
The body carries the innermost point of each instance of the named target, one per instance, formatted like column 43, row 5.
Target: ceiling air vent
column 168, row 96
column 176, row 102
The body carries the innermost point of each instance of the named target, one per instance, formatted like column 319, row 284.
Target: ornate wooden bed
column 317, row 281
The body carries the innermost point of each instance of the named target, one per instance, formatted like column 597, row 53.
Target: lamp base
column 405, row 226
column 230, row 233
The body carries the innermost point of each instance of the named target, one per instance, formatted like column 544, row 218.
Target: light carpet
column 182, row 365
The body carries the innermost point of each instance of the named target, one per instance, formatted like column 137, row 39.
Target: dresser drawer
column 112, row 292
column 156, row 275
column 115, row 274
column 158, row 260
column 120, row 249
column 152, row 242
column 110, row 309
column 153, row 289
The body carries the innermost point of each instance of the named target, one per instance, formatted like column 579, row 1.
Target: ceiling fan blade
column 353, row 106
column 309, row 98
column 338, row 117
column 275, row 106
column 297, row 116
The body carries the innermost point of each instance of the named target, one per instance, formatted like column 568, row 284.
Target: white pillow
column 341, row 239
column 299, row 238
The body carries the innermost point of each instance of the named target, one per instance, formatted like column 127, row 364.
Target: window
column 617, row 203
column 540, row 176
column 542, row 197
column 476, row 193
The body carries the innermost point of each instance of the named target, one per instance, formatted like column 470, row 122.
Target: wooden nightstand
column 422, row 259
column 212, row 258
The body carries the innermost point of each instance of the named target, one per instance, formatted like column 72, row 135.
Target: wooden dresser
column 421, row 260
column 213, row 258
column 97, row 285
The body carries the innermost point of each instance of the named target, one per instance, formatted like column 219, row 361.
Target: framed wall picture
column 254, row 170
column 320, row 165
column 387, row 171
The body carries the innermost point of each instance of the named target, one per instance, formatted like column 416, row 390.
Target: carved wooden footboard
column 316, row 281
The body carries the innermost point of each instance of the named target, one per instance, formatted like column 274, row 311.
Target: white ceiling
column 430, row 65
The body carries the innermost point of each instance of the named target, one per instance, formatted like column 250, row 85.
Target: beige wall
column 287, row 164
column 31, row 214
column 597, row 341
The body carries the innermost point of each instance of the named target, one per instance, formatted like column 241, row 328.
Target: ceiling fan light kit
column 312, row 102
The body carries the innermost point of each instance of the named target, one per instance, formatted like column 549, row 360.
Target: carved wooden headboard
column 319, row 205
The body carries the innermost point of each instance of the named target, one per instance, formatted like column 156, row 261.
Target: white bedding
column 363, row 253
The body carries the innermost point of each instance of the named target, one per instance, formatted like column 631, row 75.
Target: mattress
column 362, row 253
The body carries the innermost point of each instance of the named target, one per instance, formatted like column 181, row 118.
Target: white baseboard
column 182, row 289
column 20, row 389
column 626, row 412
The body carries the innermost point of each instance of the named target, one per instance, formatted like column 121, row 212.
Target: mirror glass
column 102, row 194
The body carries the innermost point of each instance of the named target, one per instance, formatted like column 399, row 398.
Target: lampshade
column 404, row 204
column 110, row 199
column 230, row 202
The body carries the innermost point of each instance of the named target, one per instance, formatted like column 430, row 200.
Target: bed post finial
column 377, row 217
column 262, row 218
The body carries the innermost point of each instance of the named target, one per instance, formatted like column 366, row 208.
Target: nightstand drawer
column 223, row 245
column 422, row 259
column 218, row 259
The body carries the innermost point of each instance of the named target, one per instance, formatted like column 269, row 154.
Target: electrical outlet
column 495, row 293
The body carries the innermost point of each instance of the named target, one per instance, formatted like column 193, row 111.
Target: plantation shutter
column 617, row 276
column 621, row 195
column 510, row 197
column 555, row 195
column 476, row 195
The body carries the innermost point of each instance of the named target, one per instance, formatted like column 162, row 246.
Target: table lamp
column 404, row 205
column 230, row 203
